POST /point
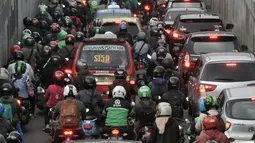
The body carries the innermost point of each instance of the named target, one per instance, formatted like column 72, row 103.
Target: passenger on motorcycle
column 165, row 128
column 117, row 110
column 211, row 106
column 14, row 137
column 124, row 34
column 141, row 79
column 61, row 39
column 175, row 98
column 145, row 110
column 158, row 85
column 12, row 109
column 141, row 47
column 211, row 133
column 91, row 98
column 120, row 80
column 6, row 126
column 53, row 95
column 11, row 60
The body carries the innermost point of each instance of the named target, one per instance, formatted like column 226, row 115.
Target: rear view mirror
column 244, row 48
column 229, row 26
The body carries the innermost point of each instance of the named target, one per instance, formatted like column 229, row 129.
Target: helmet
column 79, row 36
column 59, row 76
column 68, row 21
column 14, row 137
column 44, row 25
column 55, row 60
column 144, row 92
column 54, row 28
column 69, row 39
column 173, row 83
column 36, row 22
column 161, row 43
column 56, row 15
column 61, row 35
column 1, row 109
column 201, row 105
column 18, row 56
column 164, row 109
column 20, row 67
column 120, row 73
column 26, row 32
column 27, row 21
column 29, row 41
column 161, row 53
column 89, row 82
column 210, row 102
column 70, row 90
column 6, row 89
column 97, row 22
column 15, row 48
column 46, row 50
column 54, row 1
column 4, row 73
column 159, row 71
column 37, row 36
column 119, row 92
column 168, row 63
column 210, row 122
column 123, row 26
column 73, row 12
column 141, row 36
column 81, row 64
column 153, row 21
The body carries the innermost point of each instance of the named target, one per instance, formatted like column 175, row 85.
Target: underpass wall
column 11, row 24
column 241, row 13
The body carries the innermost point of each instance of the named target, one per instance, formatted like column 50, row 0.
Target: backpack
column 147, row 114
column 70, row 53
column 69, row 115
column 7, row 111
column 221, row 122
column 158, row 90
column 174, row 99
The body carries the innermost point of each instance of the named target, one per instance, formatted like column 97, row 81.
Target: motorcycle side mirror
column 87, row 110
column 148, row 56
column 40, row 90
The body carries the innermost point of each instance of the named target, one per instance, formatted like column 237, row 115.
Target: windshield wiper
column 224, row 79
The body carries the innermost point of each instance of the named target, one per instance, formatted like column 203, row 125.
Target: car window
column 102, row 14
column 196, row 25
column 114, row 27
column 106, row 56
column 229, row 72
column 242, row 109
column 186, row 4
column 171, row 15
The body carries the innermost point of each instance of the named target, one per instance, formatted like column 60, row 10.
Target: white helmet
column 164, row 109
column 119, row 92
column 153, row 21
column 70, row 90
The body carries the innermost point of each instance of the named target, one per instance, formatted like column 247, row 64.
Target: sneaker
column 32, row 116
column 47, row 128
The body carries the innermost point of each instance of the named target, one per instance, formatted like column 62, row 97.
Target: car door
column 193, row 84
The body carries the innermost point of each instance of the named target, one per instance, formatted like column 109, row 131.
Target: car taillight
column 253, row 99
column 68, row 133
column 168, row 31
column 206, row 88
column 252, row 84
column 68, row 71
column 186, row 0
column 177, row 35
column 213, row 37
column 147, row 7
column 187, row 63
column 227, row 124
column 88, row 126
column 132, row 82
column 164, row 5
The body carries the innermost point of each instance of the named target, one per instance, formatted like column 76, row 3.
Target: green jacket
column 61, row 44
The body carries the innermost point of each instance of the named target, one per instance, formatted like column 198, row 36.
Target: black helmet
column 56, row 15
column 46, row 50
column 120, row 73
column 27, row 21
column 29, row 41
column 6, row 89
column 161, row 53
column 69, row 39
column 18, row 56
column 141, row 36
column 89, row 82
column 37, row 36
column 44, row 25
column 81, row 65
column 79, row 36
column 168, row 63
column 159, row 71
column 55, row 60
column 14, row 137
column 173, row 83
column 73, row 11
column 161, row 43
column 141, row 76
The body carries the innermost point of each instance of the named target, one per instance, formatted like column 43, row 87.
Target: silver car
column 237, row 108
column 217, row 71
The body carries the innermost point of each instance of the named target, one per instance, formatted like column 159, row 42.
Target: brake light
column 253, row 84
column 187, row 60
column 117, row 22
column 132, row 82
column 168, row 31
column 206, row 88
column 186, row 0
column 115, row 132
column 228, row 124
column 19, row 101
column 253, row 99
column 68, row 71
column 134, row 15
column 213, row 37
column 164, row 5
column 68, row 133
column 178, row 36
column 231, row 64
column 87, row 126
column 84, row 2
column 147, row 7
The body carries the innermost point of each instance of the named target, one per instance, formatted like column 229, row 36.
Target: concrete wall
column 242, row 14
column 11, row 24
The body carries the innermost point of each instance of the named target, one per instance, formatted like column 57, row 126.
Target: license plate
column 115, row 138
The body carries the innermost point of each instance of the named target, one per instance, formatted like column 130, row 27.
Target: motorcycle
column 144, row 134
column 40, row 101
column 181, row 128
column 24, row 115
column 89, row 127
column 146, row 10
column 116, row 134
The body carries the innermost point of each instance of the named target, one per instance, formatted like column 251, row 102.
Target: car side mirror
column 208, row 7
column 229, row 26
column 231, row 139
column 244, row 48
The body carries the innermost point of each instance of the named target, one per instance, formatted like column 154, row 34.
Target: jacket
column 158, row 87
column 212, row 135
column 35, row 55
column 140, row 107
column 67, row 52
column 16, row 108
column 171, row 132
column 141, row 49
column 116, row 112
column 23, row 83
column 78, row 80
column 92, row 100
column 53, row 95
column 5, row 127
column 29, row 71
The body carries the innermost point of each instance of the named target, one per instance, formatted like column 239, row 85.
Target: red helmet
column 210, row 122
column 15, row 48
column 69, row 39
column 59, row 75
column 54, row 28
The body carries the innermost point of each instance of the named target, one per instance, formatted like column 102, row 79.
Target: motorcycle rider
column 124, row 34
column 11, row 60
column 158, row 85
column 168, row 64
column 36, row 25
column 61, row 39
column 53, row 95
column 69, row 26
column 54, row 29
column 141, row 79
column 165, row 128
column 14, row 137
column 82, row 73
column 6, row 126
column 141, row 47
column 211, row 133
column 45, row 54
column 45, row 27
column 28, row 24
column 175, row 98
column 145, row 110
column 79, row 37
column 117, row 110
column 76, row 20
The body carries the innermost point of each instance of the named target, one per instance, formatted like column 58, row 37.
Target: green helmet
column 61, row 35
column 211, row 101
column 20, row 67
column 144, row 92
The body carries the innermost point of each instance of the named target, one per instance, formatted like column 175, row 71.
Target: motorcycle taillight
column 87, row 126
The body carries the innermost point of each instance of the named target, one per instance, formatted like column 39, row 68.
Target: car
column 215, row 72
column 187, row 4
column 112, row 24
column 101, row 141
column 172, row 13
column 202, row 43
column 103, row 54
column 236, row 106
column 105, row 13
